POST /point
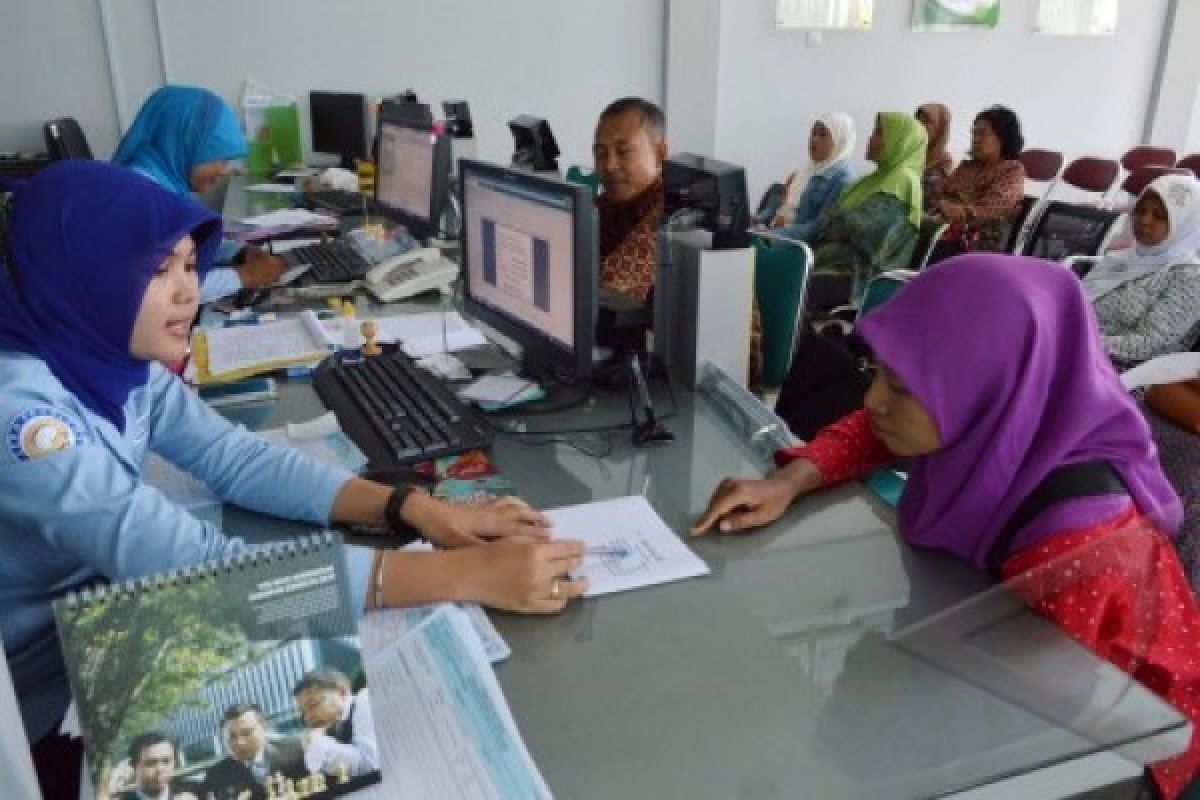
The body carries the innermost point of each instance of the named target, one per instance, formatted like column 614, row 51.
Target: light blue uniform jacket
column 82, row 514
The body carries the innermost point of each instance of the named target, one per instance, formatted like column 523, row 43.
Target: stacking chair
column 65, row 139
column 1147, row 156
column 1041, row 167
column 928, row 235
column 1192, row 163
column 1069, row 229
column 1091, row 175
column 781, row 270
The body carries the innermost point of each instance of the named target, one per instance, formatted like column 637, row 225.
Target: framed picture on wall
column 955, row 15
column 855, row 15
column 1077, row 17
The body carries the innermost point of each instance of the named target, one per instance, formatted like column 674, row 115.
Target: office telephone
column 395, row 278
column 411, row 273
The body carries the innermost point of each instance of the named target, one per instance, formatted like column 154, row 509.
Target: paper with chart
column 445, row 727
column 629, row 546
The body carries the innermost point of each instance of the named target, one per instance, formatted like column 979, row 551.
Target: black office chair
column 65, row 139
column 1067, row 229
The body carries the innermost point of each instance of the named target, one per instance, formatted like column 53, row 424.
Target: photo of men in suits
column 152, row 757
column 252, row 755
column 341, row 735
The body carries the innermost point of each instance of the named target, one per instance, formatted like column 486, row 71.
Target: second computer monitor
column 530, row 265
column 339, row 125
column 412, row 177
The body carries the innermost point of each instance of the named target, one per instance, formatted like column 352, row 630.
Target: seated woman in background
column 1173, row 411
column 873, row 226
column 970, row 410
column 938, row 161
column 1147, row 299
column 982, row 195
column 810, row 191
column 184, row 138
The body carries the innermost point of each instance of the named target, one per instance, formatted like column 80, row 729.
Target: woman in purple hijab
column 993, row 380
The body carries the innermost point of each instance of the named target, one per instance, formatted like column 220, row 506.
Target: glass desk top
column 780, row 675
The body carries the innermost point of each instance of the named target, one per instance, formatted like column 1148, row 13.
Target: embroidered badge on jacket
column 41, row 431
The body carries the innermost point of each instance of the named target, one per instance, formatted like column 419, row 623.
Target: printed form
column 628, row 545
column 445, row 729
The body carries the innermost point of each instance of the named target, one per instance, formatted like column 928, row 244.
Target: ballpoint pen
column 610, row 551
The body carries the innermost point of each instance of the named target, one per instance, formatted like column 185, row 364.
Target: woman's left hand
column 453, row 525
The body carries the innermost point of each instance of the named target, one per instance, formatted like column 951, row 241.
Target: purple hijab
column 1005, row 355
column 85, row 238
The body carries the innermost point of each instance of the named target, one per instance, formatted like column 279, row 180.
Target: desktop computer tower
column 703, row 301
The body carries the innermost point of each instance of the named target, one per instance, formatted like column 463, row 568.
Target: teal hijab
column 178, row 128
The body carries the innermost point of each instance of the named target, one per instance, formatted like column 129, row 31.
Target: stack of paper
column 445, row 729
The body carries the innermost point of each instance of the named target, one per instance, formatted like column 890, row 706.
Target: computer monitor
column 412, row 174
column 339, row 125
column 715, row 189
column 529, row 247
column 533, row 144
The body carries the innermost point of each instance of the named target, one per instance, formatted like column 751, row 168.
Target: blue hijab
column 177, row 128
column 84, row 240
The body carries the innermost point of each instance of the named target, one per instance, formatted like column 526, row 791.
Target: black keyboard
column 340, row 202
column 335, row 262
column 395, row 412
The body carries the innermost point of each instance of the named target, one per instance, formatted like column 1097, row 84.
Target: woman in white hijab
column 816, row 187
column 1147, row 299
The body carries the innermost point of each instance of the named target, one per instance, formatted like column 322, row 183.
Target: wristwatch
column 391, row 511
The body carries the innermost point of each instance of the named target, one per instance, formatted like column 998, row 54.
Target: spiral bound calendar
column 237, row 679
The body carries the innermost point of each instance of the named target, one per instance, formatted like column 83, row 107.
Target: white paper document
column 500, row 390
column 420, row 335
column 445, row 729
column 290, row 217
column 629, row 546
column 1171, row 368
column 334, row 448
column 288, row 340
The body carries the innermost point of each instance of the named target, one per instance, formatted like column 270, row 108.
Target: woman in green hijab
column 873, row 227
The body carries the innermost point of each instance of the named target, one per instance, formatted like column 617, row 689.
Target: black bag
column 828, row 380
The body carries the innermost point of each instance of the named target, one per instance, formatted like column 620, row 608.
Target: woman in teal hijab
column 873, row 227
column 184, row 138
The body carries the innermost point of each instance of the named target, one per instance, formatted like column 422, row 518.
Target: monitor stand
column 349, row 162
column 559, row 396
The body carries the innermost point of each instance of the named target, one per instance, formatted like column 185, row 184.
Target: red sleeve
column 846, row 450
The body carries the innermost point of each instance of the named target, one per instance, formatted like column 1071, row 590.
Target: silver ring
column 555, row 590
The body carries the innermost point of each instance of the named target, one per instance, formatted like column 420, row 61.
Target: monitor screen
column 339, row 123
column 412, row 174
column 404, row 179
column 530, row 260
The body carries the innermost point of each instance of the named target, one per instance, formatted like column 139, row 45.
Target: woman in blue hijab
column 99, row 284
column 184, row 138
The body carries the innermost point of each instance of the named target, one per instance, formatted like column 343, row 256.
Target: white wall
column 561, row 61
column 52, row 64
column 1075, row 94
column 1177, row 119
column 693, row 47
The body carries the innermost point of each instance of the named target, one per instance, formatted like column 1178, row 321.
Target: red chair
column 1094, row 175
column 1148, row 156
column 1041, row 165
column 1141, row 177
column 1191, row 162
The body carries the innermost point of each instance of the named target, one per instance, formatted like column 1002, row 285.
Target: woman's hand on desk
column 452, row 525
column 529, row 576
column 739, row 504
column 259, row 268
